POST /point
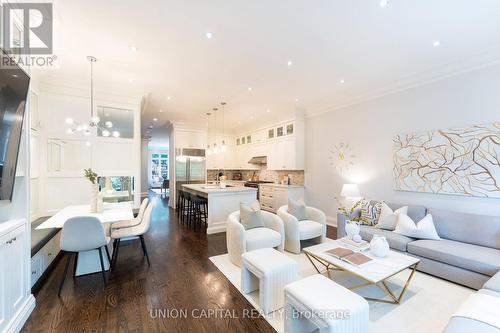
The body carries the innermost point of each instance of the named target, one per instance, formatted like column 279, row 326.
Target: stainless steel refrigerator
column 190, row 167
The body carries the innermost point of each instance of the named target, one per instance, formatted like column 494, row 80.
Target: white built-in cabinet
column 273, row 196
column 44, row 257
column 187, row 138
column 13, row 274
column 282, row 144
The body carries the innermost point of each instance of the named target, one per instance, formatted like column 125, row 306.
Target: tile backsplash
column 296, row 177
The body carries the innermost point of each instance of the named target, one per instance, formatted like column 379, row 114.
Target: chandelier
column 106, row 128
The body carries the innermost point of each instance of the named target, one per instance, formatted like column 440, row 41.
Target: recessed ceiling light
column 150, row 126
column 249, row 88
column 383, row 3
column 130, row 80
column 168, row 97
column 15, row 75
column 209, row 35
column 155, row 119
column 268, row 110
column 289, row 63
column 251, row 117
column 161, row 111
column 133, row 48
column 342, row 81
column 436, row 43
column 296, row 100
column 87, row 143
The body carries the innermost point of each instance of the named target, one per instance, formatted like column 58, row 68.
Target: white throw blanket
column 481, row 307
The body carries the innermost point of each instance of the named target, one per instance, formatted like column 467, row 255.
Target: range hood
column 258, row 160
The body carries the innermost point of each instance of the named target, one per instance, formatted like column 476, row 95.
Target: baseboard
column 217, row 228
column 331, row 221
column 22, row 315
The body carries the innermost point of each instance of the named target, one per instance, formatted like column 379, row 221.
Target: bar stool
column 180, row 204
column 200, row 208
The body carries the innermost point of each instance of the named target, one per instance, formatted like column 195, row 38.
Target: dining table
column 88, row 261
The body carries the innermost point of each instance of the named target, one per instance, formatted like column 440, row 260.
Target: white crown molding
column 443, row 71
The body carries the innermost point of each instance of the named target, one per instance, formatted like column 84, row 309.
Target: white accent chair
column 135, row 231
column 83, row 233
column 135, row 221
column 314, row 228
column 240, row 240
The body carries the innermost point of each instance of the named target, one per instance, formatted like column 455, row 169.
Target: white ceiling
column 375, row 50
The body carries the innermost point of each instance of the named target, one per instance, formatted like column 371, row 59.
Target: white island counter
column 221, row 202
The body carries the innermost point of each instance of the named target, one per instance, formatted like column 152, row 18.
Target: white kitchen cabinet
column 273, row 196
column 13, row 274
column 285, row 155
column 190, row 139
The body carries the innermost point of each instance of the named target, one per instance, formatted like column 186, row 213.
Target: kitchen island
column 221, row 202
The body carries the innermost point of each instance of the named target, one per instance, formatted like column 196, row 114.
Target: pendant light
column 208, row 150
column 94, row 119
column 223, row 145
column 216, row 149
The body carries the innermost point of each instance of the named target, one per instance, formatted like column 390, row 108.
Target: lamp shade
column 350, row 191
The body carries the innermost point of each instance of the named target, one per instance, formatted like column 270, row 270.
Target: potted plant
column 352, row 227
column 94, row 190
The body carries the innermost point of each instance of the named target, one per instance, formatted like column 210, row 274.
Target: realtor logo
column 27, row 28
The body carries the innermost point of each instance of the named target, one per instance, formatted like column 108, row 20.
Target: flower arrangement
column 90, row 175
column 348, row 212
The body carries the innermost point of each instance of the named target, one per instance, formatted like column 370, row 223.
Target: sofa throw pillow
column 250, row 215
column 297, row 208
column 388, row 218
column 423, row 229
column 370, row 213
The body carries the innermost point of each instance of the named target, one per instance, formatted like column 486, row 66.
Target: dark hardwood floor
column 180, row 277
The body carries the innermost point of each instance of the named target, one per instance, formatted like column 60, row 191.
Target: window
column 159, row 168
column 238, row 141
column 279, row 131
column 249, row 139
column 289, row 129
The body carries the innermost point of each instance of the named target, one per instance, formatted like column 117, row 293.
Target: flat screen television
column 14, row 84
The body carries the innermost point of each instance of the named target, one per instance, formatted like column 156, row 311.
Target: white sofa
column 314, row 228
column 240, row 240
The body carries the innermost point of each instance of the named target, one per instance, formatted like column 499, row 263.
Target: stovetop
column 256, row 183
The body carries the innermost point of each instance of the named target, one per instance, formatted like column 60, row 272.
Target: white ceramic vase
column 379, row 246
column 100, row 202
column 352, row 228
column 94, row 191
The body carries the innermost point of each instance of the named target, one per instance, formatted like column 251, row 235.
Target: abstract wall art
column 461, row 161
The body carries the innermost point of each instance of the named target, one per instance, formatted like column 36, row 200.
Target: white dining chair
column 83, row 233
column 135, row 231
column 135, row 221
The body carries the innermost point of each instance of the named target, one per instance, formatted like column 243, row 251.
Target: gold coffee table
column 375, row 272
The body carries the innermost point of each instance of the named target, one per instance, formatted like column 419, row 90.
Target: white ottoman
column 269, row 271
column 317, row 302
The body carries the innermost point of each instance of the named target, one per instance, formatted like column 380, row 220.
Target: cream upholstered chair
column 313, row 228
column 240, row 240
column 135, row 221
column 83, row 233
column 135, row 231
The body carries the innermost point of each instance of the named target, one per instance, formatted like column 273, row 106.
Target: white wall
column 467, row 99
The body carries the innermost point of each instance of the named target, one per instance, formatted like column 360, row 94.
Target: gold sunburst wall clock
column 342, row 157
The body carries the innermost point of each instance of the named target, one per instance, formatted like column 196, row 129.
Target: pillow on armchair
column 250, row 215
column 297, row 208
